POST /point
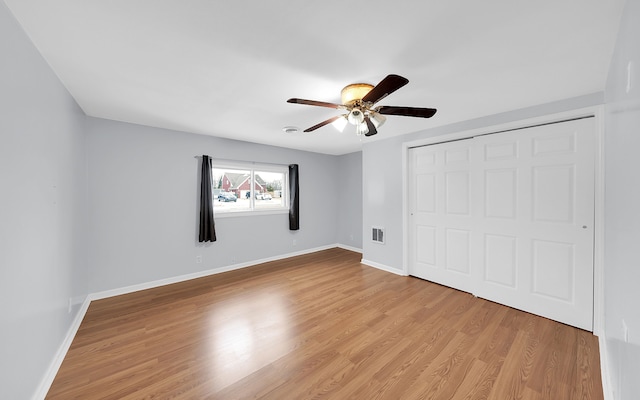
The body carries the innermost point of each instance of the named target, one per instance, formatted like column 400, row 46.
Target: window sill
column 246, row 213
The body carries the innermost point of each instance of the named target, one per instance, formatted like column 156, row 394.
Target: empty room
column 299, row 200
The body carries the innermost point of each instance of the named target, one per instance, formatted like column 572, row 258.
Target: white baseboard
column 383, row 267
column 607, row 389
column 181, row 278
column 52, row 371
column 354, row 249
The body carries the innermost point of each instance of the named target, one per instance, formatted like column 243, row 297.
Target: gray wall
column 143, row 201
column 42, row 213
column 622, row 216
column 347, row 188
column 382, row 176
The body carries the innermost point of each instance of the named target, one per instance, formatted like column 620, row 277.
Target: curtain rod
column 223, row 160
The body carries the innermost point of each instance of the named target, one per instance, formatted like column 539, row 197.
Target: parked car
column 266, row 196
column 227, row 196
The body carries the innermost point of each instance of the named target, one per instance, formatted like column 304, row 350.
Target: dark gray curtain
column 207, row 225
column 294, row 200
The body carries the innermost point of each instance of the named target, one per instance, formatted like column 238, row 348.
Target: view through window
column 249, row 188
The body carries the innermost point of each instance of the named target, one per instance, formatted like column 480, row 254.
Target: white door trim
column 597, row 113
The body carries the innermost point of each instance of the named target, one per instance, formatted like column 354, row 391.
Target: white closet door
column 441, row 217
column 509, row 217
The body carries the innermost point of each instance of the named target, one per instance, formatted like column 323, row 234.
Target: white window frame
column 252, row 167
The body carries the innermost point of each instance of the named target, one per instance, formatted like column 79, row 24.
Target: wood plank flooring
column 322, row 326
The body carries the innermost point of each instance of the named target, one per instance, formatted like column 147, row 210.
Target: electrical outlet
column 295, row 242
column 351, row 236
column 198, row 259
column 625, row 331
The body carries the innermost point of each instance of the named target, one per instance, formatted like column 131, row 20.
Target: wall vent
column 377, row 234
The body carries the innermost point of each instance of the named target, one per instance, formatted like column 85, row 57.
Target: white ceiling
column 226, row 68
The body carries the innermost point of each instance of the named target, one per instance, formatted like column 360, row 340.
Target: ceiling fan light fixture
column 356, row 91
column 362, row 129
column 340, row 123
column 377, row 119
column 356, row 116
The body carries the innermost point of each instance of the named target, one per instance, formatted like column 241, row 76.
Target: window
column 247, row 188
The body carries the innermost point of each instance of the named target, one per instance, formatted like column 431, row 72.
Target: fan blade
column 323, row 123
column 386, row 86
column 316, row 103
column 372, row 128
column 407, row 111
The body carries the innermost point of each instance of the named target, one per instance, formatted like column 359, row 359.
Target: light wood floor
column 322, row 326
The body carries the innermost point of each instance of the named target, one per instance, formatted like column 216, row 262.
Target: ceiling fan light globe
column 356, row 117
column 377, row 119
column 340, row 123
column 362, row 129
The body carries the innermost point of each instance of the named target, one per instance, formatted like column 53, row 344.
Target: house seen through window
column 241, row 188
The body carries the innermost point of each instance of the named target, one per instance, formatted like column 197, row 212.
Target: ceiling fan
column 358, row 100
